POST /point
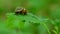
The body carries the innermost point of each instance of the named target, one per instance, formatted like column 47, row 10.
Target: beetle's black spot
column 17, row 13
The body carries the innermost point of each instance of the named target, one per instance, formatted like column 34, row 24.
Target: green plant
column 26, row 23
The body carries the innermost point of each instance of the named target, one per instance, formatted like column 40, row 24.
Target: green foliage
column 30, row 24
column 48, row 23
column 25, row 23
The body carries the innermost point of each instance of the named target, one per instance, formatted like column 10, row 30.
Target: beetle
column 21, row 11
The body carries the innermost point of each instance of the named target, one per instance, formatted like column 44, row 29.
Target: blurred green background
column 48, row 8
column 45, row 9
